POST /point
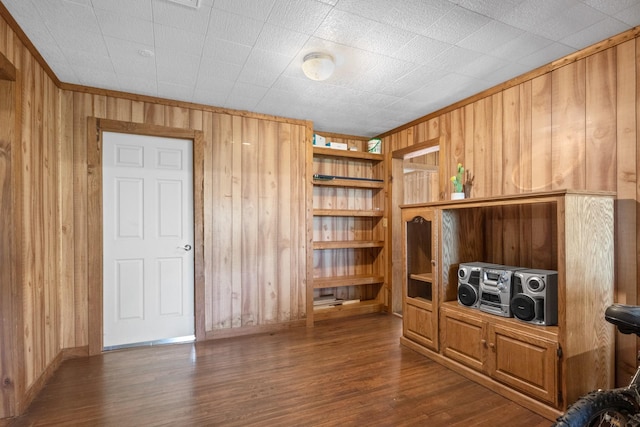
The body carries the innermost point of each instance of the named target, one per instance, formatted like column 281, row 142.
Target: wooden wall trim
column 95, row 128
column 554, row 65
column 415, row 149
column 341, row 136
column 198, row 216
column 94, row 234
column 218, row 334
column 179, row 104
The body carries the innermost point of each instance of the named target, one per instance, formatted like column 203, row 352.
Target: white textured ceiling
column 396, row 60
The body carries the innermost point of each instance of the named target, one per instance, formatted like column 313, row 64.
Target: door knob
column 186, row 248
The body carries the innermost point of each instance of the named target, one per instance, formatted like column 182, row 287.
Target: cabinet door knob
column 483, row 342
column 433, row 262
column 492, row 345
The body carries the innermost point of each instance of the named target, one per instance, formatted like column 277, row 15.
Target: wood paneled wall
column 30, row 226
column 254, row 236
column 254, row 211
column 573, row 126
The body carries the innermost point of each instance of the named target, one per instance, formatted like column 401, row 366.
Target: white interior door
column 148, row 261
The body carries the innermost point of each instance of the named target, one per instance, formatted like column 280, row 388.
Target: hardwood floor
column 348, row 372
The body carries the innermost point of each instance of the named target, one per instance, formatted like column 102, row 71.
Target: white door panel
column 147, row 224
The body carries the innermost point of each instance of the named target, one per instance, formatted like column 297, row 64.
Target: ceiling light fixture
column 318, row 66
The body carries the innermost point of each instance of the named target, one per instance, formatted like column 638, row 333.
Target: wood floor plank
column 342, row 372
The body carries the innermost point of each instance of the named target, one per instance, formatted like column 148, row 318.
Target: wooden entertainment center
column 544, row 368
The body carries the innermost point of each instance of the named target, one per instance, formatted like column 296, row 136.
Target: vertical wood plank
column 100, row 108
column 208, row 215
column 524, row 163
column 219, row 242
column 541, row 176
column 511, row 141
column 177, row 117
column 497, row 172
column 53, row 229
column 468, row 155
column 568, row 138
column 82, row 108
column 456, row 152
column 118, row 109
column 433, row 129
column 137, row 111
column 38, row 224
column 153, row 114
column 480, row 164
column 195, row 119
column 302, row 142
column 31, row 343
column 420, row 132
column 267, row 218
column 285, row 216
column 239, row 264
column 446, row 138
column 8, row 304
column 16, row 130
column 249, row 236
column 600, row 100
column 66, row 224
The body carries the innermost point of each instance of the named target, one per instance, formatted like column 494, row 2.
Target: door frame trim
column 95, row 128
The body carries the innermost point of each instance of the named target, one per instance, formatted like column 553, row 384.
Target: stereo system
column 496, row 289
column 536, row 296
column 527, row 294
column 469, row 275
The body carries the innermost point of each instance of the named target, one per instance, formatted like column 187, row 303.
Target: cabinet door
column 463, row 338
column 420, row 325
column 524, row 362
column 420, row 321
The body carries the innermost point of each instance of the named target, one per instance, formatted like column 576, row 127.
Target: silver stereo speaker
column 496, row 289
column 535, row 297
column 469, row 276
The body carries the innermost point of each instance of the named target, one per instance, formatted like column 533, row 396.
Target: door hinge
column 559, row 352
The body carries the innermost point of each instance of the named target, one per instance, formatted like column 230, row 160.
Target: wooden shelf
column 350, row 183
column 348, row 244
column 423, row 277
column 420, row 302
column 339, row 182
column 511, row 199
column 348, row 212
column 337, row 281
column 362, row 307
column 359, row 155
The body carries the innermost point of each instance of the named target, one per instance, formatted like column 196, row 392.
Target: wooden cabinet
column 348, row 238
column 544, row 367
column 524, row 358
column 420, row 291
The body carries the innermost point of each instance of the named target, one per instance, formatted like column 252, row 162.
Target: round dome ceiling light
column 318, row 66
